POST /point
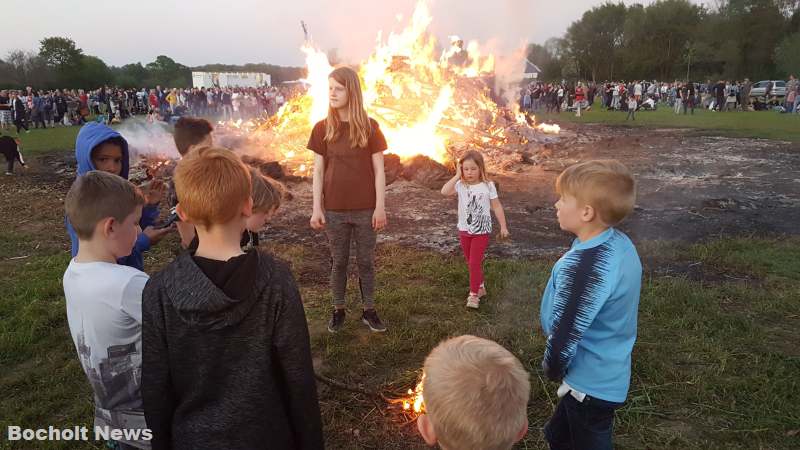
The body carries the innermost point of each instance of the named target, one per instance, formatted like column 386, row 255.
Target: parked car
column 778, row 88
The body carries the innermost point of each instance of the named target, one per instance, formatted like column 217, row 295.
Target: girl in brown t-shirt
column 349, row 191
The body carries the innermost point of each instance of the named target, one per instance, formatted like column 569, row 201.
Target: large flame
column 422, row 102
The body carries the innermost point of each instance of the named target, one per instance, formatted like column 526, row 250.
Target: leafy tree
column 60, row 53
column 545, row 60
column 130, row 75
column 28, row 69
column 94, row 72
column 595, row 39
column 787, row 56
column 166, row 72
column 753, row 28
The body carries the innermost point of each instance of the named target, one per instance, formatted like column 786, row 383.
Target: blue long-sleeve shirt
column 91, row 135
column 589, row 315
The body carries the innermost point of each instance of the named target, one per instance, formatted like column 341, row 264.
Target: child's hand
column 504, row 234
column 156, row 234
column 317, row 220
column 155, row 192
column 379, row 219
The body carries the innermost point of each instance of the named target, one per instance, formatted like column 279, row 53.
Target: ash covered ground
column 690, row 187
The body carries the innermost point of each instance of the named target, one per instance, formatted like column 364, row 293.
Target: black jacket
column 226, row 357
column 18, row 109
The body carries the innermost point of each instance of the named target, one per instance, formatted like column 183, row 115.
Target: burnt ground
column 690, row 187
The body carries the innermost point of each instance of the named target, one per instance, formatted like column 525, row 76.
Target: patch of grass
column 752, row 255
column 760, row 124
column 715, row 365
column 40, row 141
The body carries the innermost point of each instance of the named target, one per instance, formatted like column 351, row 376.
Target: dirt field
column 690, row 187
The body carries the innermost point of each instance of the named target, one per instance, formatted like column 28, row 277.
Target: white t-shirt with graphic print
column 475, row 207
column 104, row 312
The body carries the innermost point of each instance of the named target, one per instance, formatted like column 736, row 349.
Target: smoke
column 148, row 139
column 508, row 70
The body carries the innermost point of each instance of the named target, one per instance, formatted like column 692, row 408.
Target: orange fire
column 413, row 403
column 422, row 102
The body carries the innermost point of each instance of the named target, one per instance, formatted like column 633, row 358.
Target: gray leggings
column 341, row 228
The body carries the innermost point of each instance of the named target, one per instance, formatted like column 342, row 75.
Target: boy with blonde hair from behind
column 590, row 305
column 476, row 396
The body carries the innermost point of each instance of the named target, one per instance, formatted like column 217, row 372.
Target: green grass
column 715, row 364
column 40, row 141
column 760, row 124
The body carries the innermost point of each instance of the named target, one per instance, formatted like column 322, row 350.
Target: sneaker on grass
column 337, row 320
column 371, row 319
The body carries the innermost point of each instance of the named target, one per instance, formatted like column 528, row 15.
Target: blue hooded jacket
column 90, row 136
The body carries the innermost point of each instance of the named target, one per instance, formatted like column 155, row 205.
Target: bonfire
column 425, row 103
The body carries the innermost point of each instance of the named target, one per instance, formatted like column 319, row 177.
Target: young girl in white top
column 477, row 197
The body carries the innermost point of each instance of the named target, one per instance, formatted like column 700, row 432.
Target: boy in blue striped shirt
column 590, row 305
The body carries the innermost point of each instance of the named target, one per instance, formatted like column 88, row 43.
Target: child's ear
column 523, row 431
column 106, row 226
column 247, row 209
column 425, row 428
column 181, row 214
column 588, row 214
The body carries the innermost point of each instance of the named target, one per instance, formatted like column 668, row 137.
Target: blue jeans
column 586, row 425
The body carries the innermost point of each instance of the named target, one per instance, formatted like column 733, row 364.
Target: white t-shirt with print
column 475, row 207
column 104, row 312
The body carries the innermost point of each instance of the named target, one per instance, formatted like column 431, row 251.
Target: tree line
column 60, row 63
column 676, row 40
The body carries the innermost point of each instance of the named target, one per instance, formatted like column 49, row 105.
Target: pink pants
column 474, row 246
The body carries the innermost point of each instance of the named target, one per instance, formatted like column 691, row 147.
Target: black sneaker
column 337, row 320
column 371, row 319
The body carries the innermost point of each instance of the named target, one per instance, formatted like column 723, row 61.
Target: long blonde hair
column 360, row 127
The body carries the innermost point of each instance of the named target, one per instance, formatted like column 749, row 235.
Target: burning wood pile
column 430, row 109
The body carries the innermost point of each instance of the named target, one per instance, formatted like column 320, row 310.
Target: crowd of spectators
column 682, row 97
column 33, row 108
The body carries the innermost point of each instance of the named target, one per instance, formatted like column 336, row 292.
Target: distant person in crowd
column 632, row 105
column 9, row 147
column 18, row 113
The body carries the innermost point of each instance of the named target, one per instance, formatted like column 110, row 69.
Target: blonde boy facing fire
column 476, row 396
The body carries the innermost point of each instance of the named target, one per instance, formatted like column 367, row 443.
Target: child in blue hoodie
column 98, row 147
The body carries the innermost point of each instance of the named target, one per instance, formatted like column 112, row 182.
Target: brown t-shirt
column 349, row 182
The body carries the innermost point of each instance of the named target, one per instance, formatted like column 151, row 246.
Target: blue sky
column 239, row 31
